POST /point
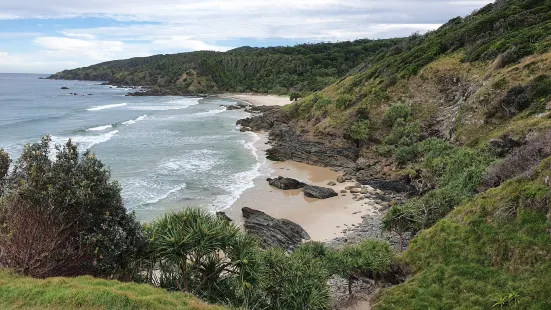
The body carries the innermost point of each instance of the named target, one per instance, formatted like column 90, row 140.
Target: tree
column 4, row 168
column 65, row 217
column 294, row 96
column 197, row 252
column 368, row 259
column 399, row 219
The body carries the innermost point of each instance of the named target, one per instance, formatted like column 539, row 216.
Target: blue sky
column 49, row 36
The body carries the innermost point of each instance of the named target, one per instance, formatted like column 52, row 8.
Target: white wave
column 195, row 162
column 99, row 128
column 85, row 142
column 167, row 194
column 209, row 113
column 242, row 181
column 177, row 104
column 107, row 106
column 140, row 118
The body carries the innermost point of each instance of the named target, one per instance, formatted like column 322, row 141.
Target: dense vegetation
column 64, row 217
column 303, row 68
column 462, row 114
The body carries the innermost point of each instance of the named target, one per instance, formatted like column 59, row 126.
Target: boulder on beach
column 319, row 192
column 273, row 232
column 331, row 183
column 64, row 87
column 285, row 183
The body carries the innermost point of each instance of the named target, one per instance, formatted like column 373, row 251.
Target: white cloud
column 3, row 54
column 188, row 25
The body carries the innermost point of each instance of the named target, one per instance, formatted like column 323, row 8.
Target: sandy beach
column 322, row 219
column 259, row 100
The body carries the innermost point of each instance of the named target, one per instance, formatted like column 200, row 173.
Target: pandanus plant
column 197, row 251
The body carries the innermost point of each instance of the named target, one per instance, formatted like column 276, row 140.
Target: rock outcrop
column 288, row 144
column 285, row 183
column 319, row 192
column 273, row 232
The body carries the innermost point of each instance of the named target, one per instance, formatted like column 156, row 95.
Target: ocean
column 167, row 153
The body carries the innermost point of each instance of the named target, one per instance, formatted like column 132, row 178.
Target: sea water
column 167, row 153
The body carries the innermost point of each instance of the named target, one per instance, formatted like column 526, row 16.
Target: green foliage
column 399, row 219
column 506, row 300
column 193, row 251
column 396, row 112
column 344, row 101
column 322, row 104
column 403, row 133
column 294, row 282
column 294, row 96
column 495, row 246
column 360, row 130
column 370, row 258
column 303, row 68
column 87, row 293
column 4, row 168
column 65, row 217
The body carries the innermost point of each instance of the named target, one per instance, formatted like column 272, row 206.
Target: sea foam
column 134, row 121
column 100, row 128
column 107, row 106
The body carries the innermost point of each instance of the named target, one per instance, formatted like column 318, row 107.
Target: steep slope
column 18, row 292
column 306, row 67
column 494, row 250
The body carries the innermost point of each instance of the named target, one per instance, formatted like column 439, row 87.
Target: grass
column 496, row 246
column 18, row 292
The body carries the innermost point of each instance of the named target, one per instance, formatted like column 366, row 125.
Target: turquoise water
column 166, row 152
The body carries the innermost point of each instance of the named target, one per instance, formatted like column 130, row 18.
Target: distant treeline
column 304, row 68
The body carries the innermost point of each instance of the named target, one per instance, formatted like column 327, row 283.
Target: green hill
column 17, row 292
column 306, row 67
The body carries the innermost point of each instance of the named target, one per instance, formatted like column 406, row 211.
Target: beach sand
column 322, row 219
column 259, row 100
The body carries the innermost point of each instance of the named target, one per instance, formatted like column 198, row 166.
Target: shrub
column 396, row 112
column 406, row 154
column 399, row 219
column 65, row 217
column 294, row 96
column 4, row 168
column 404, row 134
column 370, row 258
column 360, row 130
column 522, row 160
column 294, row 282
column 322, row 104
column 193, row 251
column 344, row 101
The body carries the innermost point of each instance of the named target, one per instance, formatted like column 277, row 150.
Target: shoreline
column 257, row 99
column 324, row 220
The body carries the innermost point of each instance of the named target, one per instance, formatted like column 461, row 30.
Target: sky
column 38, row 36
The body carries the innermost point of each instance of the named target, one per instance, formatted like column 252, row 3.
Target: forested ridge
column 304, row 68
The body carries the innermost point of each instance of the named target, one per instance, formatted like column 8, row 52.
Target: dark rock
column 90, row 94
column 245, row 129
column 64, row 87
column 505, row 144
column 285, row 183
column 223, row 216
column 234, row 107
column 273, row 232
column 288, row 144
column 394, row 186
column 331, row 183
column 319, row 192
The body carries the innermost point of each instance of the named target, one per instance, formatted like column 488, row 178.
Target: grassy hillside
column 306, row 67
column 17, row 292
column 494, row 250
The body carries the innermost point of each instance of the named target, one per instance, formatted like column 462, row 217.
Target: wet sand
column 259, row 100
column 322, row 219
